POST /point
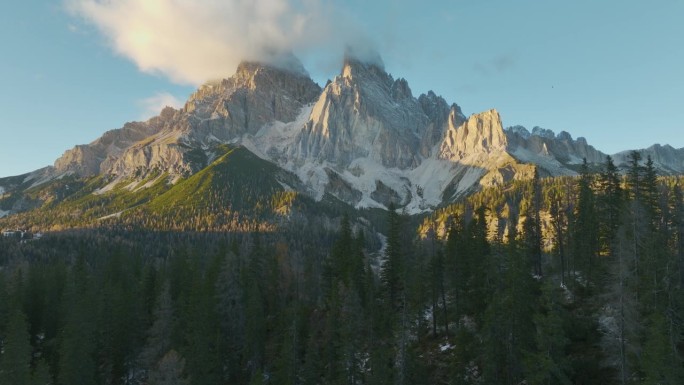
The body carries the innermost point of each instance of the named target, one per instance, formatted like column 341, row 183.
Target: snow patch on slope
column 4, row 213
column 546, row 162
column 276, row 137
column 109, row 187
column 2, row 190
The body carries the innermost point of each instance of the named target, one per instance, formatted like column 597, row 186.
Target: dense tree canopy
column 548, row 281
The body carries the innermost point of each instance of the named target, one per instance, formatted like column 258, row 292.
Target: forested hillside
column 574, row 280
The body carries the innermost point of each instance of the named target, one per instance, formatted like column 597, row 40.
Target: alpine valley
column 275, row 232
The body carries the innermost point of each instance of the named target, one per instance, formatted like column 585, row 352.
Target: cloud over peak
column 192, row 41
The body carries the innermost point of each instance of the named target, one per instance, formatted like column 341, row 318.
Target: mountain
column 364, row 139
column 667, row 159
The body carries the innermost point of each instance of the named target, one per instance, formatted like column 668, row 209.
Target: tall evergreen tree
column 585, row 238
column 610, row 202
column 508, row 330
column 533, row 233
column 15, row 360
column 231, row 310
column 548, row 363
column 77, row 364
column 159, row 336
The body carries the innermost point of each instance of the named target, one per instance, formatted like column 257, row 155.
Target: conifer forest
column 564, row 280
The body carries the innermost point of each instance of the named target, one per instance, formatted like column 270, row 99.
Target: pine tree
column 231, row 311
column 15, row 360
column 548, row 364
column 159, row 335
column 533, row 234
column 609, row 205
column 585, row 238
column 634, row 176
column 509, row 330
column 677, row 224
column 76, row 359
column 662, row 364
column 621, row 327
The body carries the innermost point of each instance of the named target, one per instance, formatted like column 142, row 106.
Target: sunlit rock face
column 218, row 112
column 87, row 160
column 481, row 134
column 363, row 139
column 365, row 113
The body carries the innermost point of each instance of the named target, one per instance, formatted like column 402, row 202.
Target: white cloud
column 192, row 41
column 153, row 105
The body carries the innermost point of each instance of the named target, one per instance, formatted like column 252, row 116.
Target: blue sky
column 611, row 71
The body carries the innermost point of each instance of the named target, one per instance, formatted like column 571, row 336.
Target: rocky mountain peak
column 364, row 113
column 253, row 74
column 481, row 134
column 364, row 65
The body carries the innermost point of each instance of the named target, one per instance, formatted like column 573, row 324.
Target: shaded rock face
column 365, row 113
column 543, row 142
column 480, row 134
column 256, row 95
column 341, row 189
column 86, row 160
column 440, row 115
column 386, row 196
column 666, row 159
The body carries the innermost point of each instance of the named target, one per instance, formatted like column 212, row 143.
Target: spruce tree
column 15, row 360
column 548, row 362
column 585, row 237
column 610, row 202
column 230, row 299
column 159, row 335
column 77, row 363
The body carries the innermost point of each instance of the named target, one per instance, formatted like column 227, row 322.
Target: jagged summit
column 364, row 113
column 481, row 134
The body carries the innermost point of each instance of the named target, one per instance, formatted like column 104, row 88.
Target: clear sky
column 611, row 71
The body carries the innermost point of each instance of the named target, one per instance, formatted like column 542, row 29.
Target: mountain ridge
column 364, row 139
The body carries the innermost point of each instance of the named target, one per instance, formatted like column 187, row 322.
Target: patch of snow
column 109, row 187
column 380, row 255
column 471, row 177
column 445, row 347
column 42, row 176
column 115, row 215
column 148, row 184
column 547, row 162
column 574, row 159
column 2, row 190
column 312, row 175
column 4, row 213
column 285, row 186
column 276, row 137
